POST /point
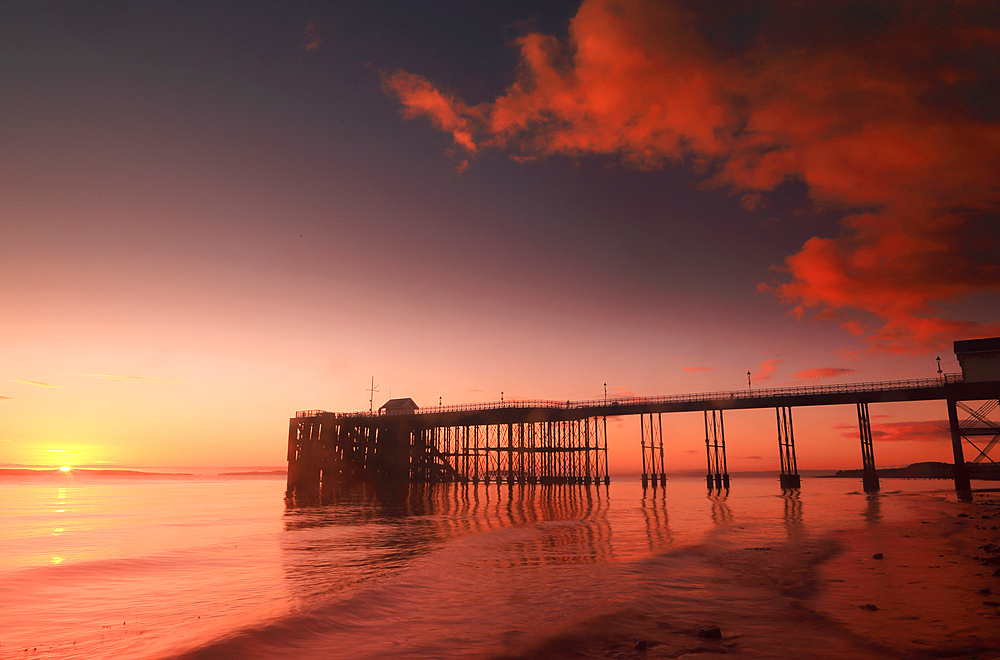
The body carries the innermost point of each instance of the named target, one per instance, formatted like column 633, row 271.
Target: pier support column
column 663, row 468
column 869, row 477
column 715, row 449
column 304, row 459
column 963, row 487
column 789, row 477
column 604, row 450
column 652, row 449
column 645, row 456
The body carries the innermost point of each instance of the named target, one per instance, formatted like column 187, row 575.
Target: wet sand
column 925, row 588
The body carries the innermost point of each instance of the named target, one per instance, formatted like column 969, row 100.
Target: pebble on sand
column 710, row 632
column 877, row 555
column 869, row 607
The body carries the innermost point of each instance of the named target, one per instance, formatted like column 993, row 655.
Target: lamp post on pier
column 749, row 385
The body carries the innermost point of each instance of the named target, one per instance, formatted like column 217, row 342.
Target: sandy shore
column 925, row 588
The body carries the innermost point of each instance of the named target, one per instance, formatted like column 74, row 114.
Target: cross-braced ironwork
column 978, row 423
column 652, row 449
column 715, row 448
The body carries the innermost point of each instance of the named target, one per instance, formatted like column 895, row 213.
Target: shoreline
column 137, row 474
column 922, row 588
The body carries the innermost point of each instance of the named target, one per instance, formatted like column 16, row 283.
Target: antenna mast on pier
column 371, row 398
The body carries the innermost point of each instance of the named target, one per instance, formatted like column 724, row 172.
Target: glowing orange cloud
column 696, row 369
column 419, row 97
column 766, row 370
column 6, row 398
column 931, row 431
column 884, row 124
column 632, row 81
column 144, row 379
column 822, row 372
column 35, row 383
column 622, row 392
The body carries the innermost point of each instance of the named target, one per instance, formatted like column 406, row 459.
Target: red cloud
column 822, row 372
column 765, row 370
column 880, row 115
column 931, row 431
column 311, row 37
column 419, row 97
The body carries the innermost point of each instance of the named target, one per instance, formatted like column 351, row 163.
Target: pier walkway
column 543, row 441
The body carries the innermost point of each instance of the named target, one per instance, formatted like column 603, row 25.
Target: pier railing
column 847, row 388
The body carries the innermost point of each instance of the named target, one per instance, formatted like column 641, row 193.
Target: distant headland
column 89, row 472
column 930, row 470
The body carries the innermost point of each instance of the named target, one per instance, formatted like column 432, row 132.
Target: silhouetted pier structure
column 512, row 444
column 555, row 442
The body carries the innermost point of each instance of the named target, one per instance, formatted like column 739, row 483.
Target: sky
column 216, row 214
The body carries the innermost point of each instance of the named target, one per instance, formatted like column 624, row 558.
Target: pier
column 565, row 442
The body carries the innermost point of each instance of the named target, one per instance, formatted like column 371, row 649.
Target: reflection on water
column 873, row 512
column 366, row 533
column 654, row 512
column 793, row 510
column 224, row 568
column 489, row 568
column 721, row 513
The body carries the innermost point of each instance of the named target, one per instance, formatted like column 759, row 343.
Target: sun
column 65, row 468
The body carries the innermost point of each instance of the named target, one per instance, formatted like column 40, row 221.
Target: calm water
column 219, row 568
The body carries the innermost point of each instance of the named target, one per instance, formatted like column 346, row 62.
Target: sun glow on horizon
column 65, row 468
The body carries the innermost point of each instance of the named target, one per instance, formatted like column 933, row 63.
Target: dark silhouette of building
column 399, row 407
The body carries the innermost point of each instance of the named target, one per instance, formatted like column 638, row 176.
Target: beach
column 218, row 567
column 931, row 593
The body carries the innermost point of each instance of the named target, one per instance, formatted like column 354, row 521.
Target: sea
column 223, row 567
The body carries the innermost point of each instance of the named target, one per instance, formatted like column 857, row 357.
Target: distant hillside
column 930, row 470
column 83, row 472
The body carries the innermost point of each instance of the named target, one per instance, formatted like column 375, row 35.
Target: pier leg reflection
column 654, row 511
column 364, row 532
column 793, row 510
column 721, row 513
column 873, row 510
